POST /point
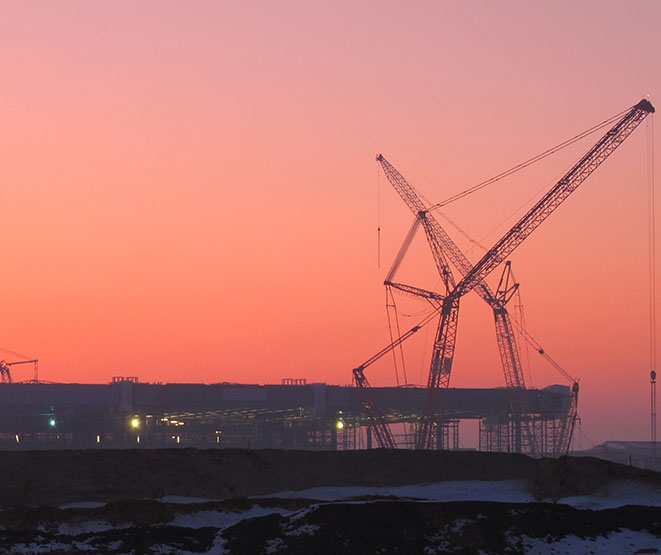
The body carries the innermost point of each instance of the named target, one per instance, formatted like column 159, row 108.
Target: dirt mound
column 59, row 477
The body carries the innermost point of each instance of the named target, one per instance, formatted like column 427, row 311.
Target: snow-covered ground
column 83, row 505
column 617, row 543
column 504, row 491
column 508, row 491
column 221, row 519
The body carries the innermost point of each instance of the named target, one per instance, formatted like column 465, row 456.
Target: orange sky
column 190, row 194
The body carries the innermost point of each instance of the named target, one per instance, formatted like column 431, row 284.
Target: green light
column 52, row 422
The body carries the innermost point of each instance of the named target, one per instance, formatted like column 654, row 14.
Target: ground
column 272, row 501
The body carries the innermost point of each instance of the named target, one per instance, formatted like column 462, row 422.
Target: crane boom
column 397, row 341
column 436, row 236
column 434, row 298
column 556, row 196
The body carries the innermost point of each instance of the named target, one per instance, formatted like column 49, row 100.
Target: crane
column 515, row 236
column 444, row 347
column 5, row 370
column 473, row 276
column 561, row 442
column 441, row 350
column 377, row 419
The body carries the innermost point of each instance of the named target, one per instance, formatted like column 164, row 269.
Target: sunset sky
column 190, row 192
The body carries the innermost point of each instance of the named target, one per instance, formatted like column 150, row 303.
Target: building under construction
column 293, row 415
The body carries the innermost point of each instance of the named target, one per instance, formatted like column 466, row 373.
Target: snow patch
column 83, row 505
column 303, row 530
column 504, row 491
column 272, row 546
column 222, row 519
column 86, row 527
column 616, row 495
column 182, row 500
column 616, row 543
column 511, row 491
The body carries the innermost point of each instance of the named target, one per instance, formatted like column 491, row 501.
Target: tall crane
column 514, row 237
column 473, row 276
column 444, row 345
column 442, row 350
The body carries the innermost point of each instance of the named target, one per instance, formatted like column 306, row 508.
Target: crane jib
column 563, row 188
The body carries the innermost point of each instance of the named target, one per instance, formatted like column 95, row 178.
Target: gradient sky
column 190, row 194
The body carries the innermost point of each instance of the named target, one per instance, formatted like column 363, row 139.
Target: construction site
column 126, row 413
column 299, row 415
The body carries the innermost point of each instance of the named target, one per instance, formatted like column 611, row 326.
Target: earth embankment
column 58, row 477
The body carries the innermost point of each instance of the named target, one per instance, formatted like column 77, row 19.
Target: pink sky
column 190, row 192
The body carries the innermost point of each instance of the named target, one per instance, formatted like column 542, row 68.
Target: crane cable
column 528, row 162
column 466, row 235
column 475, row 243
column 518, row 306
column 651, row 241
column 393, row 306
column 506, row 173
column 582, row 433
column 378, row 217
column 520, row 326
column 15, row 353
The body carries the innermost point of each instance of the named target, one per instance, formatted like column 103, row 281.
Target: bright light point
column 339, row 424
column 135, row 423
column 52, row 422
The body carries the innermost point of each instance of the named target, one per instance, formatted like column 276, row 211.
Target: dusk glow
column 190, row 193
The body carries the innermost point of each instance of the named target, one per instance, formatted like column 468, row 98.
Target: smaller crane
column 5, row 372
column 377, row 419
